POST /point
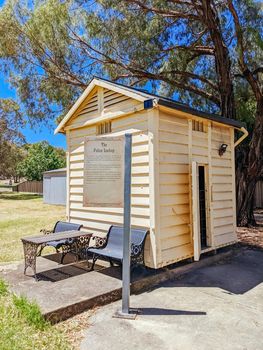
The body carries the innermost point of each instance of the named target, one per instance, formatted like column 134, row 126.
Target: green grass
column 19, row 196
column 3, row 288
column 23, row 214
column 22, row 326
column 30, row 311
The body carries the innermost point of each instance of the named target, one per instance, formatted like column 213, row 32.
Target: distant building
column 55, row 186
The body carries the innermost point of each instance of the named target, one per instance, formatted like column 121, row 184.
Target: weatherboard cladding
column 164, row 145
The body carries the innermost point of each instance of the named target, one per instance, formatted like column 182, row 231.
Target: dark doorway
column 202, row 206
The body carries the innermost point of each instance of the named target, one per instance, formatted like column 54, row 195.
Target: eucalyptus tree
column 10, row 137
column 248, row 30
column 201, row 51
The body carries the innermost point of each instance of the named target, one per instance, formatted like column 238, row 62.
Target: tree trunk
column 222, row 60
column 249, row 169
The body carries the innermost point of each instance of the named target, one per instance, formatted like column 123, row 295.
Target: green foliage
column 30, row 311
column 41, row 157
column 10, row 137
column 38, row 57
column 52, row 48
column 246, row 106
column 13, row 196
column 10, row 121
column 3, row 288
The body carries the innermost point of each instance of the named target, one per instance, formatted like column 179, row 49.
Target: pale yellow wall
column 98, row 220
column 179, row 145
column 174, row 189
column 164, row 147
column 223, row 187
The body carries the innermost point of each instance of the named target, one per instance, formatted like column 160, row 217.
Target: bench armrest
column 46, row 232
column 136, row 249
column 100, row 242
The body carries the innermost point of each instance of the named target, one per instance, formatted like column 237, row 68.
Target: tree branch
column 173, row 82
column 165, row 13
column 192, row 76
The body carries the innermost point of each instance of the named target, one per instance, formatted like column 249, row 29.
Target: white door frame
column 195, row 212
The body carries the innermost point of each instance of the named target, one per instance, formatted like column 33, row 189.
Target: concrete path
column 214, row 307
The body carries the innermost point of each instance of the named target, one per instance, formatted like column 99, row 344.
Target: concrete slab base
column 66, row 290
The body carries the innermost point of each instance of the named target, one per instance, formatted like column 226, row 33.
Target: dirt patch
column 252, row 236
column 74, row 328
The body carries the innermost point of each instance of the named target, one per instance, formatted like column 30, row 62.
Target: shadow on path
column 170, row 312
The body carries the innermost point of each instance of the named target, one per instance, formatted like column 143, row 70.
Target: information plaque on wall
column 103, row 172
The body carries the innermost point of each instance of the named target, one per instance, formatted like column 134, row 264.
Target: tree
column 11, row 138
column 51, row 49
column 250, row 69
column 191, row 49
column 224, row 29
column 13, row 155
column 41, row 157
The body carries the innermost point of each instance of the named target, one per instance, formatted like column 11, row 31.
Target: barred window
column 198, row 126
column 104, row 128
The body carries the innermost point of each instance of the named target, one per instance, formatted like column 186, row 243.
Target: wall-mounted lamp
column 222, row 149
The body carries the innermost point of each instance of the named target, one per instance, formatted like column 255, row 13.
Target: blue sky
column 38, row 133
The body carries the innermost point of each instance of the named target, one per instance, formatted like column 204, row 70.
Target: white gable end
column 101, row 98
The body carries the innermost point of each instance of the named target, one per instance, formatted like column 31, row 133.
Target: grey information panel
column 104, row 172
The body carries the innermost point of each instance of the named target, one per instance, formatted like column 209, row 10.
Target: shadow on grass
column 19, row 196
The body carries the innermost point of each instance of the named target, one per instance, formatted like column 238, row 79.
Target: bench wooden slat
column 54, row 237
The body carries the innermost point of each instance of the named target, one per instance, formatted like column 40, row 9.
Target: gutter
column 245, row 134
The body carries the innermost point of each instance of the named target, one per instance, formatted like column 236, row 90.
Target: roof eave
column 194, row 112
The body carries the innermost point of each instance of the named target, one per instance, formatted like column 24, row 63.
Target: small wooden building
column 183, row 173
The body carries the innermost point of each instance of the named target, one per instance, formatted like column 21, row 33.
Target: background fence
column 29, row 186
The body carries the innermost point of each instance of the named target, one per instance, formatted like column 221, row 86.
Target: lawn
column 22, row 326
column 23, row 215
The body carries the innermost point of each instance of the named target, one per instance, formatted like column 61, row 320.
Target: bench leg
column 41, row 249
column 30, row 255
column 65, row 249
column 94, row 259
column 62, row 257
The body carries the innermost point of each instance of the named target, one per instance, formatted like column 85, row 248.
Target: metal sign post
column 126, row 312
column 127, row 227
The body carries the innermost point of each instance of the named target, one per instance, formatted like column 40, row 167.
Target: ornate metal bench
column 65, row 245
column 32, row 244
column 111, row 247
